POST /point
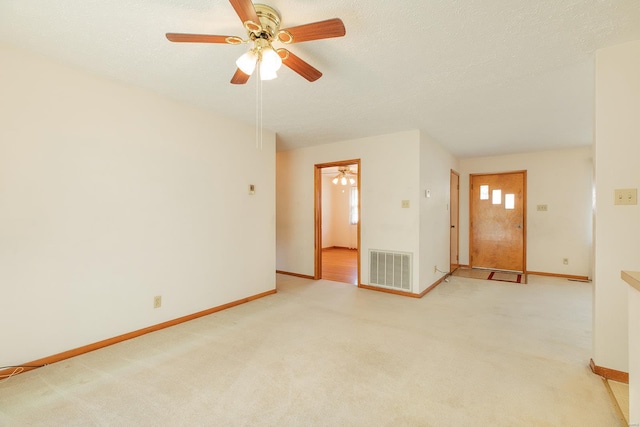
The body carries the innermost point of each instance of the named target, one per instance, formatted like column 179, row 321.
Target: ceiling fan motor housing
column 269, row 23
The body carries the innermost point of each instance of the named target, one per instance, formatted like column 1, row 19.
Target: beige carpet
column 470, row 353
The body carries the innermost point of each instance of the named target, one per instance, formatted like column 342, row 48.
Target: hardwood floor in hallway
column 340, row 265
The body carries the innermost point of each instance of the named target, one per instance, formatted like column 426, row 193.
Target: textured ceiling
column 480, row 77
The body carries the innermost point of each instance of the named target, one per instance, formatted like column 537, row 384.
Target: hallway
column 340, row 265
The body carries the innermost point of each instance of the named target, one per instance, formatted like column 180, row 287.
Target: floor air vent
column 392, row 269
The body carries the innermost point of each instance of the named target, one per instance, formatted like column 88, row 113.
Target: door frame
column 317, row 271
column 524, row 214
column 454, row 193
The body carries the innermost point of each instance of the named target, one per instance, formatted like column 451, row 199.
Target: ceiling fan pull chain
column 258, row 109
column 257, row 103
column 260, row 106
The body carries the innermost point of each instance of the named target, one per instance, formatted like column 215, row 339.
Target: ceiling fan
column 262, row 24
column 345, row 176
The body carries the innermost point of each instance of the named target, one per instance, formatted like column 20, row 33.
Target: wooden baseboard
column 304, row 276
column 403, row 293
column 562, row 276
column 124, row 337
column 389, row 291
column 328, row 248
column 610, row 374
column 433, row 285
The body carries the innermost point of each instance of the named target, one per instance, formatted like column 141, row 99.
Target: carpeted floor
column 470, row 353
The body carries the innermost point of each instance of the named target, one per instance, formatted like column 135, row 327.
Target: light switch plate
column 626, row 196
column 405, row 204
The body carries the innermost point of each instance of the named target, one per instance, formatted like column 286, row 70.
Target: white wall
column 394, row 167
column 110, row 195
column 327, row 213
column 340, row 232
column 617, row 235
column 560, row 179
column 389, row 174
column 435, row 221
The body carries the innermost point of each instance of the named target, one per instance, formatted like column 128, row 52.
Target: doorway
column 337, row 221
column 497, row 238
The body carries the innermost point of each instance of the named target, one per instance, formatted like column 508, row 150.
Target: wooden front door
column 454, row 214
column 498, row 221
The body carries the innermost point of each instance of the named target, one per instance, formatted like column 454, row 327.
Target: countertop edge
column 632, row 278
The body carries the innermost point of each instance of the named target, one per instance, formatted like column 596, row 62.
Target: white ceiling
column 480, row 77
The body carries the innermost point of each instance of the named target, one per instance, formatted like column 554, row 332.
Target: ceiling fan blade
column 314, row 31
column 299, row 66
column 239, row 78
column 202, row 38
column 245, row 10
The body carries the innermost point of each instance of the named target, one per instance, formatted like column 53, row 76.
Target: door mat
column 502, row 276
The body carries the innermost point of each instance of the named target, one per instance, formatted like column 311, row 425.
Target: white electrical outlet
column 157, row 301
column 435, row 268
column 565, row 261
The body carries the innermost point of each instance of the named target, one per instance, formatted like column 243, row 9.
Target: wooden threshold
column 610, row 374
column 287, row 273
column 124, row 337
column 328, row 248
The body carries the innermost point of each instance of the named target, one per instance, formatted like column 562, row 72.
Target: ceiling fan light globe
column 335, row 180
column 271, row 60
column 247, row 62
column 266, row 73
column 352, row 181
column 343, row 180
